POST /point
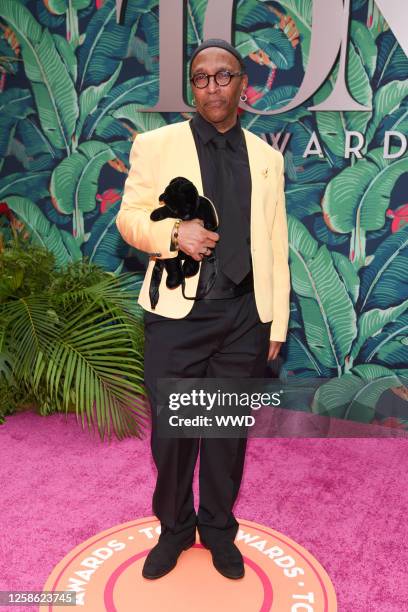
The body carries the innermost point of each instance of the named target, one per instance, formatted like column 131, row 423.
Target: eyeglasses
column 222, row 77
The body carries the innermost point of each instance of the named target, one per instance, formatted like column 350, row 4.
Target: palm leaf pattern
column 68, row 121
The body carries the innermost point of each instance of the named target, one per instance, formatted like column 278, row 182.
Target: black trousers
column 217, row 339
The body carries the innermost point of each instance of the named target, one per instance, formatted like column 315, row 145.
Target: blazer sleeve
column 138, row 201
column 281, row 273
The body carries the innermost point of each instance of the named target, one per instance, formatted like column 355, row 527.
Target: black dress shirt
column 237, row 157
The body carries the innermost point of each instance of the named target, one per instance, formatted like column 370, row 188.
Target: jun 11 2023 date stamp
column 39, row 598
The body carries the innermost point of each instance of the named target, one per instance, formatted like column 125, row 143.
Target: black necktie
column 233, row 256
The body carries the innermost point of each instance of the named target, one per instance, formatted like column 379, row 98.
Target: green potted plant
column 71, row 339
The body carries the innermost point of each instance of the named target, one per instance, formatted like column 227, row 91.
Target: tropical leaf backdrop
column 72, row 84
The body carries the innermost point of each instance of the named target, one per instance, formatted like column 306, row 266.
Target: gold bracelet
column 174, row 236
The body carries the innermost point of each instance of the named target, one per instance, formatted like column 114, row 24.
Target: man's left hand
column 274, row 348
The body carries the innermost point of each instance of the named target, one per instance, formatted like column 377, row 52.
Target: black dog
column 181, row 202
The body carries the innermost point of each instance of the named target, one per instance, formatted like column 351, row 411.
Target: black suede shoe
column 163, row 558
column 227, row 559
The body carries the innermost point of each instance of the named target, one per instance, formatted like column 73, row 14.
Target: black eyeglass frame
column 231, row 74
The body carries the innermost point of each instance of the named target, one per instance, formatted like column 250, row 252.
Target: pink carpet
column 345, row 500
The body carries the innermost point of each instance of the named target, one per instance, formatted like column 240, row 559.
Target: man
column 242, row 320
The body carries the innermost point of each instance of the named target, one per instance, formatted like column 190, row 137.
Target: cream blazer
column 169, row 151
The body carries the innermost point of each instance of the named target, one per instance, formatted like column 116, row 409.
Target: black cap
column 222, row 44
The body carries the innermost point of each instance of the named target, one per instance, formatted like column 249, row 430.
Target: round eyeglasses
column 222, row 77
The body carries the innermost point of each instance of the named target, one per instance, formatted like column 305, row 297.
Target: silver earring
column 243, row 97
column 193, row 102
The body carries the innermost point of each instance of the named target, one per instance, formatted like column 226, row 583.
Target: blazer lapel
column 184, row 148
column 257, row 182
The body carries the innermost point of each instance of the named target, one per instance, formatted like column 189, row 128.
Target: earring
column 243, row 97
column 193, row 102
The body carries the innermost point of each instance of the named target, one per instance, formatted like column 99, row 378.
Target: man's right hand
column 195, row 240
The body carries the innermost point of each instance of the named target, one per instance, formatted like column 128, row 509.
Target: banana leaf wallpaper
column 72, row 83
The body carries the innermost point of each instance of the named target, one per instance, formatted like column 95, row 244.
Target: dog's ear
column 160, row 213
